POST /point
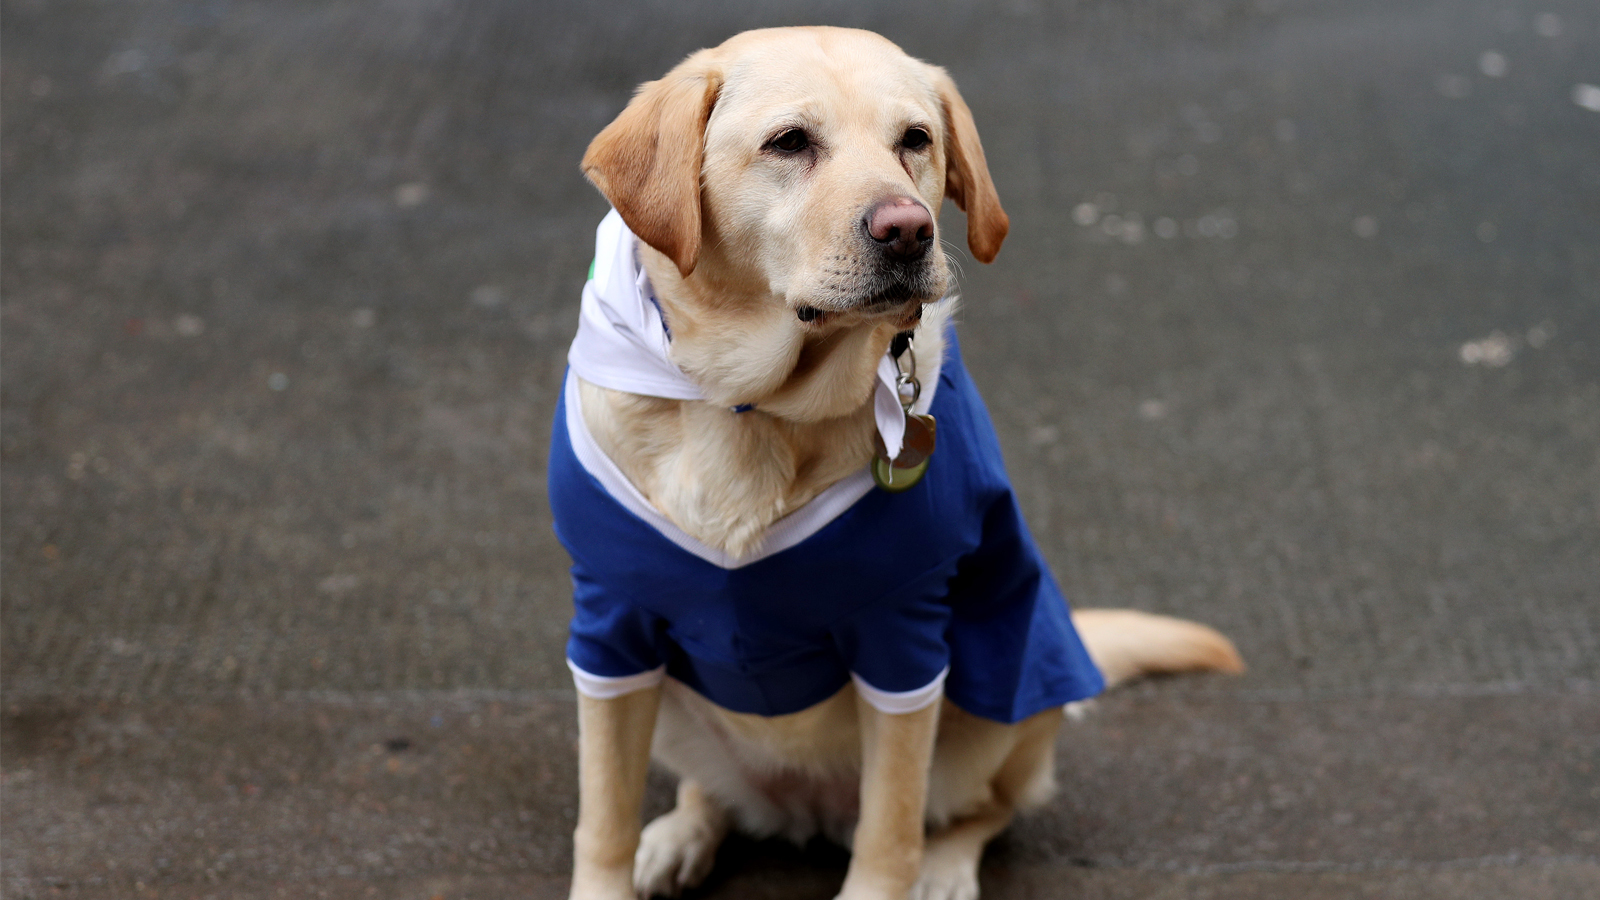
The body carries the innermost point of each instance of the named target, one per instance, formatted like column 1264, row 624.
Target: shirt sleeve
column 613, row 646
column 896, row 650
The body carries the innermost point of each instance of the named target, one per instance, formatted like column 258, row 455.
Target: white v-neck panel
column 783, row 534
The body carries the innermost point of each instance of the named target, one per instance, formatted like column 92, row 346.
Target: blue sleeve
column 611, row 636
column 898, row 644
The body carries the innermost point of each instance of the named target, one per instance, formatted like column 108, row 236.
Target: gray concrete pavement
column 1297, row 332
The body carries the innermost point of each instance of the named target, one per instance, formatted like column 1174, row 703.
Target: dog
column 801, row 580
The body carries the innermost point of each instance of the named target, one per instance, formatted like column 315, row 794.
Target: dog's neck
column 725, row 477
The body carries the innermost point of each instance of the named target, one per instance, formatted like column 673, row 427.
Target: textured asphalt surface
column 1297, row 333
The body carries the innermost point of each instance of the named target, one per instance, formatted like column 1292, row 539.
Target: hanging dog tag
column 907, row 469
column 917, row 446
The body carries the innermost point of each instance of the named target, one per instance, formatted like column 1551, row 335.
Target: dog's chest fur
column 726, row 477
column 792, row 776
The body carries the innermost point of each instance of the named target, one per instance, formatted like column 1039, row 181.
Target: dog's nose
column 902, row 226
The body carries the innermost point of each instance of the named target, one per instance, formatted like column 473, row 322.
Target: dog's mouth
column 895, row 295
column 895, row 290
column 899, row 304
column 901, row 299
column 904, row 308
column 883, row 291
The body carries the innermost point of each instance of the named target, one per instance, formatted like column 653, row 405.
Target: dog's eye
column 915, row 139
column 792, row 141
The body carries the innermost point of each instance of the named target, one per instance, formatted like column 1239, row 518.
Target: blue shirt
column 895, row 589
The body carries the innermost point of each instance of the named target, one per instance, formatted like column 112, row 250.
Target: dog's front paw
column 676, row 851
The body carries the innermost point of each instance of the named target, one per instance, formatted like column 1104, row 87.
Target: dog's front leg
column 896, row 751
column 613, row 759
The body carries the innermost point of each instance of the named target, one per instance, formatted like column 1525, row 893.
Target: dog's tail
column 1127, row 644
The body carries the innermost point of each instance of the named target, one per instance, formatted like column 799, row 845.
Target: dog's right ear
column 647, row 161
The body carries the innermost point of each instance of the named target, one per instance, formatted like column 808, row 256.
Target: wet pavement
column 1297, row 332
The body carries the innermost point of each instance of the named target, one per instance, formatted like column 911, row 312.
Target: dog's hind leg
column 984, row 774
column 950, row 858
column 676, row 850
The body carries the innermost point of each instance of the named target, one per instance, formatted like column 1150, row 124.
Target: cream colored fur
column 738, row 239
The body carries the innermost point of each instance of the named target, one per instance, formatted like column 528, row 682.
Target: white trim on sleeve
column 901, row 702
column 610, row 687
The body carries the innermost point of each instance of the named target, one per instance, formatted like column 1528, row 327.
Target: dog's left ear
column 647, row 162
column 966, row 179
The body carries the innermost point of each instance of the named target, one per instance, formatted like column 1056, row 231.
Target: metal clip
column 906, row 386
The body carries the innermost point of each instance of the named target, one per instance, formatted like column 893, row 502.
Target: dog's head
column 806, row 164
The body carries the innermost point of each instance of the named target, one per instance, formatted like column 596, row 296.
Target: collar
column 624, row 344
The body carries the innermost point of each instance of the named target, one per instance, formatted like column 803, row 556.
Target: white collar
column 624, row 344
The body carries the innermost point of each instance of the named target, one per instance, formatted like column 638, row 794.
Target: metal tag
column 908, row 468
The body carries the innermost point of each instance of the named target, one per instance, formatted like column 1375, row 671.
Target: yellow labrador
column 784, row 189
